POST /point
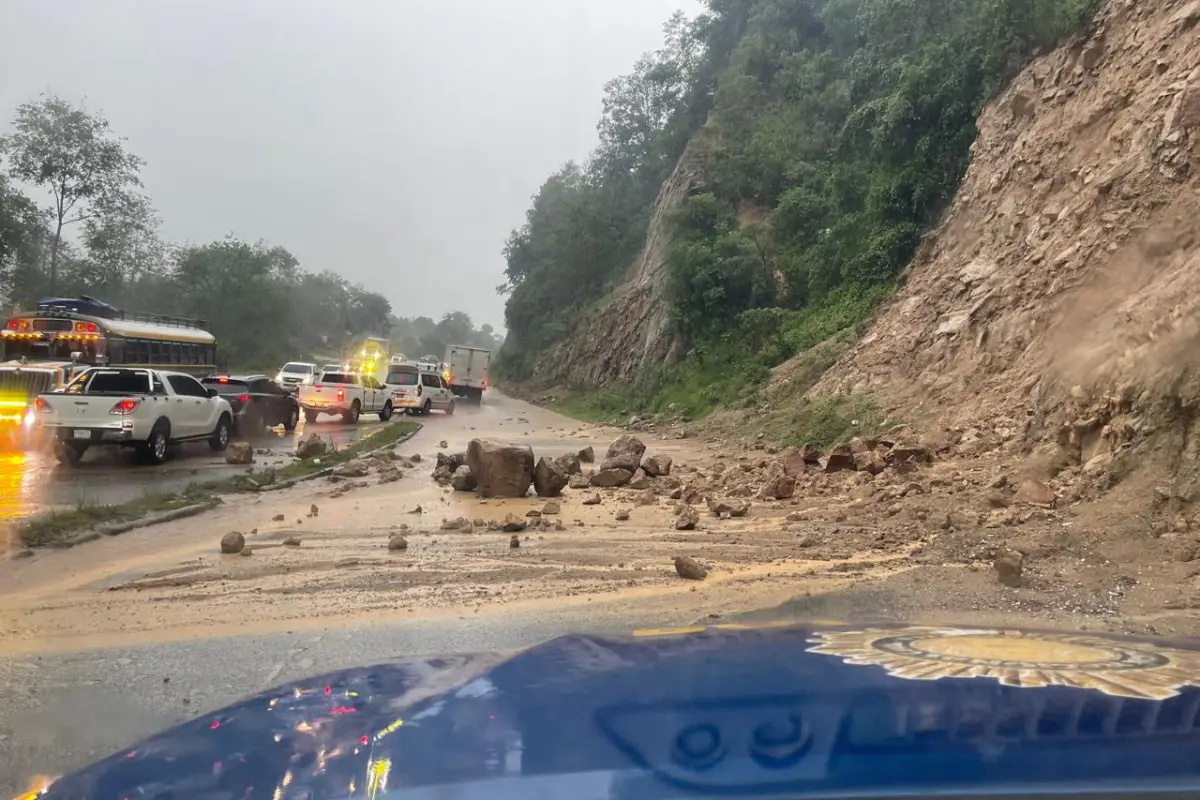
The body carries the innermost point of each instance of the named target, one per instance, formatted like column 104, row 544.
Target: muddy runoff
column 390, row 537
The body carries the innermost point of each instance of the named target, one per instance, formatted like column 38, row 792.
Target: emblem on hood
column 1018, row 658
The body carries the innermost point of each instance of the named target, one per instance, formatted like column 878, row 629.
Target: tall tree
column 75, row 156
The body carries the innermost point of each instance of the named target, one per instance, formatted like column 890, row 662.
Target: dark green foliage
column 840, row 131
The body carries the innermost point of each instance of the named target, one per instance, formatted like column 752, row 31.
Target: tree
column 23, row 238
column 73, row 154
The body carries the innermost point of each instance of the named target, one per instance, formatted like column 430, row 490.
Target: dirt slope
column 1054, row 310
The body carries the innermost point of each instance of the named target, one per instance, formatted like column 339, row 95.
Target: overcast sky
column 393, row 141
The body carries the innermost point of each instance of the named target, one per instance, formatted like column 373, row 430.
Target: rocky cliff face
column 632, row 328
column 1057, row 302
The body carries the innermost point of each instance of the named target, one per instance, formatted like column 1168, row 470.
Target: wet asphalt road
column 32, row 482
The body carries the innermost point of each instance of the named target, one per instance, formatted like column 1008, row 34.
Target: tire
column 425, row 409
column 154, row 449
column 69, row 453
column 450, row 408
column 351, row 418
column 293, row 419
column 386, row 413
column 476, row 397
column 220, row 437
column 310, row 416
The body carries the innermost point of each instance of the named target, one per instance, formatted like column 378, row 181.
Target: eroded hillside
column 1054, row 310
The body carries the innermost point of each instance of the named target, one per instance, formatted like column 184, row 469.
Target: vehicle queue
column 78, row 372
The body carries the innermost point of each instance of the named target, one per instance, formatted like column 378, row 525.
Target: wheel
column 425, row 409
column 220, row 437
column 310, row 416
column 386, row 413
column 351, row 418
column 293, row 419
column 450, row 408
column 154, row 449
column 476, row 396
column 69, row 453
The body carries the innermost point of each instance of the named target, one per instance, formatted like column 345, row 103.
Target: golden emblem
column 1016, row 658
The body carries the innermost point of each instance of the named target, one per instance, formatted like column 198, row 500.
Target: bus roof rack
column 98, row 308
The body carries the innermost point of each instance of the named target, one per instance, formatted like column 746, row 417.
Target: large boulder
column 625, row 453
column 311, row 446
column 549, row 479
column 608, row 478
column 569, row 463
column 239, row 453
column 501, row 470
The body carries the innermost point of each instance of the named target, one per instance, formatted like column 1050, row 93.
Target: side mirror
column 212, row 392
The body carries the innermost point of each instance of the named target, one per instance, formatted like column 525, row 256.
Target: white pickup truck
column 347, row 394
column 146, row 409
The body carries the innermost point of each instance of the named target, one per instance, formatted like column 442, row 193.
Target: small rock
column 232, row 542
column 690, row 568
column 245, row 551
column 686, row 518
column 463, row 480
column 291, row 541
column 1009, row 567
column 577, row 481
column 513, row 524
column 313, row 510
column 514, row 541
column 592, row 499
column 239, row 453
column 587, row 455
column 443, row 444
column 607, row 478
column 622, row 515
column 397, row 542
column 657, row 466
column 552, row 507
column 278, row 518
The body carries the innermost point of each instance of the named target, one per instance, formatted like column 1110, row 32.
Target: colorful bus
column 90, row 332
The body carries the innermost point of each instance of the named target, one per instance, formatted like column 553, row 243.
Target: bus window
column 156, row 354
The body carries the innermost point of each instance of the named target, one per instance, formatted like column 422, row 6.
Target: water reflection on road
column 31, row 482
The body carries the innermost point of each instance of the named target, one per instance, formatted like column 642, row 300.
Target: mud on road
column 917, row 546
column 171, row 582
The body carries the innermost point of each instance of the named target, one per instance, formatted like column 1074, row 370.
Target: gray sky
column 393, row 141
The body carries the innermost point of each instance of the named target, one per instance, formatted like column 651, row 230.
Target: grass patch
column 55, row 527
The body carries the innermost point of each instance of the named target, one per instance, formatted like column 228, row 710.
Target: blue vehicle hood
column 723, row 711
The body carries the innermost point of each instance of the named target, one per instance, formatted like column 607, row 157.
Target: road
column 80, row 677
column 33, row 482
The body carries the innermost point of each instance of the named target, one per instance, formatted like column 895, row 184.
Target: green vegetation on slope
column 840, row 130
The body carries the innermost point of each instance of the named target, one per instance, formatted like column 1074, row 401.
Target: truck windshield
column 293, row 367
column 339, row 377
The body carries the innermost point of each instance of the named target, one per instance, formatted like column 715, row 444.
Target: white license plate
column 83, row 434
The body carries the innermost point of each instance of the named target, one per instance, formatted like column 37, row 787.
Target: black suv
column 257, row 402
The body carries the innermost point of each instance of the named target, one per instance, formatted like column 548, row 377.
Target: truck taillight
column 244, row 398
column 341, row 394
column 125, row 406
column 40, row 405
column 485, row 383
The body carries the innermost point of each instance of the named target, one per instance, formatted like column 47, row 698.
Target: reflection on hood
column 724, row 711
